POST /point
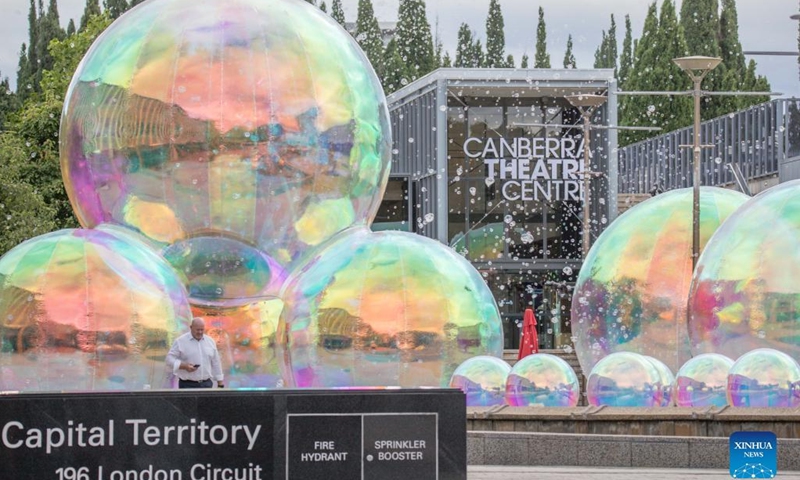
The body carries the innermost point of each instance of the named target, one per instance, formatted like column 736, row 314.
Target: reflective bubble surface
column 262, row 122
column 543, row 380
column 382, row 309
column 223, row 272
column 87, row 310
column 632, row 291
column 245, row 337
column 624, row 379
column 746, row 293
column 667, row 382
column 703, row 381
column 764, row 378
column 483, row 380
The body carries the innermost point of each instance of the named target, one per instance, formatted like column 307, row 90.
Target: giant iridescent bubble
column 632, row 291
column 385, row 309
column 764, row 378
column 624, row 379
column 543, row 380
column 245, row 337
column 87, row 310
column 483, row 380
column 257, row 121
column 703, row 381
column 667, row 379
column 746, row 293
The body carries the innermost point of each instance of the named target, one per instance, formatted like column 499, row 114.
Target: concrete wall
column 550, row 449
column 666, row 421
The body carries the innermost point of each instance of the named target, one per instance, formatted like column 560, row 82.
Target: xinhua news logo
column 754, row 455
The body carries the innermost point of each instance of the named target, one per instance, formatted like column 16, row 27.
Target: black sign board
column 226, row 435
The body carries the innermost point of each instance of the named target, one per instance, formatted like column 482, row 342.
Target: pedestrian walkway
column 489, row 472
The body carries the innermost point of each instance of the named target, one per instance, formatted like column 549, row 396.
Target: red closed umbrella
column 529, row 341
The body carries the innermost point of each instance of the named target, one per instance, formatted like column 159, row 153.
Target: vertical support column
column 442, row 193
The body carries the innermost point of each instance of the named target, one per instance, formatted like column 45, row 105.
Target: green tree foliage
column 115, row 8
column 447, row 62
column 414, row 39
column 569, row 57
column 662, row 40
column 8, row 101
column 524, row 62
column 736, row 74
column 510, row 63
column 368, row 34
column 71, row 27
column 701, row 26
column 626, row 56
column 91, row 9
column 394, row 75
column 468, row 49
column 337, row 13
column 135, row 2
column 312, row 2
column 27, row 81
column 606, row 54
column 29, row 157
column 542, row 58
column 23, row 211
column 323, row 7
column 495, row 36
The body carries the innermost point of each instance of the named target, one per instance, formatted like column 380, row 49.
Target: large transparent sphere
column 703, row 381
column 257, row 121
column 483, row 380
column 385, row 309
column 632, row 291
column 543, row 380
column 245, row 337
column 624, row 379
column 667, row 382
column 746, row 293
column 87, row 310
column 764, row 378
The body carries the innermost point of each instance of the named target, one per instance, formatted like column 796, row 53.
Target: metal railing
column 762, row 141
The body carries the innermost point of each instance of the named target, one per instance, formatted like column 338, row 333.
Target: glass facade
column 495, row 170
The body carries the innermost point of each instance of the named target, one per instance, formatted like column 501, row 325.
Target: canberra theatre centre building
column 483, row 161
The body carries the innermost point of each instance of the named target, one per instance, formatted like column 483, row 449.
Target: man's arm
column 174, row 358
column 216, row 367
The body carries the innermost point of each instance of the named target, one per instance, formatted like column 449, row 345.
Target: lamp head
column 697, row 63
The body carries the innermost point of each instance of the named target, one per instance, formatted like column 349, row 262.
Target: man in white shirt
column 194, row 358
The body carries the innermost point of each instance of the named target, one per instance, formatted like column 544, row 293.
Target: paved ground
column 584, row 473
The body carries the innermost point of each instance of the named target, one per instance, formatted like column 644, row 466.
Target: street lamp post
column 587, row 105
column 697, row 68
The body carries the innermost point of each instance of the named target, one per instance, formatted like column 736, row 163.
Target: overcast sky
column 763, row 25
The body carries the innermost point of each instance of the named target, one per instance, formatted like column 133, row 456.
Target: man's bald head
column 198, row 327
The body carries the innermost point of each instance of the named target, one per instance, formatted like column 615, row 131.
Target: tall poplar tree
column 337, row 13
column 48, row 29
column 115, row 8
column 701, row 26
column 626, row 56
column 27, row 82
column 414, row 39
column 524, row 62
column 542, row 58
column 394, row 76
column 323, row 7
column 662, row 40
column 569, row 57
column 91, row 9
column 606, row 54
column 469, row 51
column 368, row 35
column 495, row 36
